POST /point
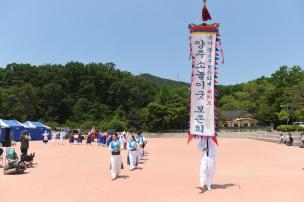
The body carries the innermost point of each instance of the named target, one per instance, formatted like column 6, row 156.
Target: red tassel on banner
column 205, row 14
column 214, row 140
column 190, row 138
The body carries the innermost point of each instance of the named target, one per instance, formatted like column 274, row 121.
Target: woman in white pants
column 116, row 161
column 132, row 153
column 61, row 136
column 207, row 168
column 140, row 142
column 54, row 135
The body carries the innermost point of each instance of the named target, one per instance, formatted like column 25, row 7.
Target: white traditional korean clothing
column 208, row 163
column 140, row 142
column 45, row 137
column 116, row 161
column 61, row 136
column 54, row 134
column 132, row 154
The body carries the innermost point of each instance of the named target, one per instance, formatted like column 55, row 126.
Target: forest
column 84, row 95
column 81, row 95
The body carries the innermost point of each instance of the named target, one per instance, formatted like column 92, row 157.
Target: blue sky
column 152, row 36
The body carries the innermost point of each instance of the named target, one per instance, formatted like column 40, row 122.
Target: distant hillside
column 163, row 82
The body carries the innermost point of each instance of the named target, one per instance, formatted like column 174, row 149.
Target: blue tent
column 36, row 129
column 10, row 130
column 16, row 129
column 4, row 131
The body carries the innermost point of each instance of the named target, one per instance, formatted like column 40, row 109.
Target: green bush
column 114, row 124
column 301, row 129
column 290, row 128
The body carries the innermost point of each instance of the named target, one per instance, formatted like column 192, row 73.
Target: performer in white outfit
column 61, row 136
column 207, row 168
column 133, row 154
column 54, row 134
column 45, row 137
column 141, row 142
column 116, row 161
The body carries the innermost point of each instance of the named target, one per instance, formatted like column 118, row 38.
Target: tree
column 153, row 116
column 101, row 94
column 21, row 103
column 300, row 114
column 282, row 115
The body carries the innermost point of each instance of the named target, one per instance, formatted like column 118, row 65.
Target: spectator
column 290, row 140
column 25, row 138
column 301, row 143
column 281, row 139
column 286, row 139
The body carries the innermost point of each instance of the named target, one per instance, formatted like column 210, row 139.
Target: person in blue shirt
column 132, row 153
column 89, row 138
column 71, row 138
column 79, row 138
column 99, row 138
column 116, row 160
column 104, row 139
column 141, row 142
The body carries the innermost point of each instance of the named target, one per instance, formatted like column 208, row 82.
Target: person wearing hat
column 24, row 139
column 207, row 168
column 116, row 161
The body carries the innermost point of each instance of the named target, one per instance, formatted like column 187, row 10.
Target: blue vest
column 115, row 146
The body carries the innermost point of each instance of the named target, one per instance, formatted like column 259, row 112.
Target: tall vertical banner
column 204, row 53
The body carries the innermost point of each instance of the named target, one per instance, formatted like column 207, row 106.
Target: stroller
column 12, row 163
column 28, row 160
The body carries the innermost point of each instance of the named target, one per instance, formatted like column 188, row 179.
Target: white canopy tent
column 3, row 124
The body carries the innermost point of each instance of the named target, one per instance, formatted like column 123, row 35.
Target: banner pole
column 207, row 146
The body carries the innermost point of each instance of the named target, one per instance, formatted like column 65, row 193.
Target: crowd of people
column 133, row 143
column 288, row 139
column 135, row 147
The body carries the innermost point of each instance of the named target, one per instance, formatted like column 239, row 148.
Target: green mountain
column 81, row 95
column 158, row 81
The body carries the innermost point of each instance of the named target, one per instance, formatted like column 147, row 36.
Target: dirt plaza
column 247, row 170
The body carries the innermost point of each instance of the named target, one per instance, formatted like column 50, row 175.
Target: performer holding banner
column 204, row 53
column 207, row 167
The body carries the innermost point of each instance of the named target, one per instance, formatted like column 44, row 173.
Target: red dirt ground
column 247, row 170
